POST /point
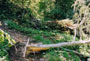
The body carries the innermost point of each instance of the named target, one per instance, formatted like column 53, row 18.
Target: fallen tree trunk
column 60, row 44
column 39, row 47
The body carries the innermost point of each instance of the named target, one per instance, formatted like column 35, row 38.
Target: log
column 32, row 48
column 60, row 44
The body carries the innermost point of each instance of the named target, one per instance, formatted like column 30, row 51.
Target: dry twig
column 24, row 53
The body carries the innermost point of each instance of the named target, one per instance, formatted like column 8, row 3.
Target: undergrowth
column 40, row 35
column 5, row 43
column 46, row 37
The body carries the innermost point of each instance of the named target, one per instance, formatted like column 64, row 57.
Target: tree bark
column 60, row 44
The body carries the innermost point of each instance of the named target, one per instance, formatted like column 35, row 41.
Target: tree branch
column 25, row 48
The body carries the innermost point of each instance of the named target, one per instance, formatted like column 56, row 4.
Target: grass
column 39, row 35
column 61, row 55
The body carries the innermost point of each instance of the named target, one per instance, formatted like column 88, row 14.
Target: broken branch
column 25, row 48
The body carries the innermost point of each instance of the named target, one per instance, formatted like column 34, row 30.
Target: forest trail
column 16, row 52
column 17, row 36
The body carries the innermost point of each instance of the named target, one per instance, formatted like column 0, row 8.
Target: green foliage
column 49, row 10
column 62, row 9
column 42, row 39
column 61, row 56
column 40, row 35
column 45, row 37
column 27, row 12
column 52, row 56
column 23, row 11
column 5, row 43
column 30, row 31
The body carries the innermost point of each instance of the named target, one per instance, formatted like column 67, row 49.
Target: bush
column 5, row 43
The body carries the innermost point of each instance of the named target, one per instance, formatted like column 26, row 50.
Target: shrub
column 5, row 43
column 39, row 9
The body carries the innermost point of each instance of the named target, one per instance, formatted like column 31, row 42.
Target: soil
column 16, row 52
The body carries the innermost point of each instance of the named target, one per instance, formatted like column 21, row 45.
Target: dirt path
column 18, row 36
column 16, row 54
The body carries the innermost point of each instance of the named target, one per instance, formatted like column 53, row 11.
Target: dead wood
column 60, row 44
